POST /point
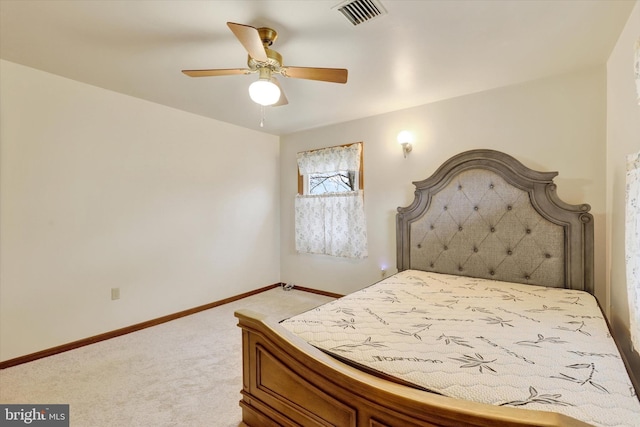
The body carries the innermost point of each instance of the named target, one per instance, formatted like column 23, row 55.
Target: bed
column 492, row 299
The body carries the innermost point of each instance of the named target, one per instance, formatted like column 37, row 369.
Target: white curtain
column 632, row 253
column 331, row 224
column 332, row 159
column 637, row 70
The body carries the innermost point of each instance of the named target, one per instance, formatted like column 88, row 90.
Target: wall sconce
column 405, row 138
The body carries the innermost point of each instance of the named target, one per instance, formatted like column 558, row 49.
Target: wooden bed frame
column 481, row 214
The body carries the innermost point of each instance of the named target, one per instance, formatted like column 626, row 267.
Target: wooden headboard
column 484, row 214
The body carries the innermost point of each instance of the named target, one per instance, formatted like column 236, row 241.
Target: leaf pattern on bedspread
column 534, row 397
column 349, row 347
column 415, row 334
column 510, row 297
column 480, row 310
column 456, row 340
column 493, row 342
column 542, row 339
column 347, row 311
column 446, row 304
column 588, row 380
column 475, row 362
column 571, row 301
column 578, row 329
column 543, row 309
column 344, row 323
column 413, row 310
column 497, row 320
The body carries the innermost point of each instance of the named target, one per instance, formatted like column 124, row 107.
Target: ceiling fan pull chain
column 262, row 114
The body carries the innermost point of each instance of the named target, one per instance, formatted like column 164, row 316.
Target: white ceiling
column 419, row 52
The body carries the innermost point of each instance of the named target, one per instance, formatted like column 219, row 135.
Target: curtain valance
column 341, row 158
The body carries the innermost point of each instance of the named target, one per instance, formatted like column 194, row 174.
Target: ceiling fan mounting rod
column 267, row 35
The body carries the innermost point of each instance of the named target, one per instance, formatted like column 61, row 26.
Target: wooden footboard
column 287, row 382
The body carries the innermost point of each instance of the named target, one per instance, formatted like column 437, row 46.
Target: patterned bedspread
column 494, row 342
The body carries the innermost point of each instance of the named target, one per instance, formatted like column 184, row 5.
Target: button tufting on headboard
column 484, row 214
column 459, row 221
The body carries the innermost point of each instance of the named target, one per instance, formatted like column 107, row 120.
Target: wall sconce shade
column 405, row 139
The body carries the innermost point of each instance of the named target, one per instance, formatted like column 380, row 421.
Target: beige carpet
column 182, row 373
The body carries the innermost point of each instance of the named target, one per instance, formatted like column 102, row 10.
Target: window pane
column 331, row 182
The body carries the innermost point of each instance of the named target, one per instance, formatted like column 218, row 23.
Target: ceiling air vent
column 360, row 11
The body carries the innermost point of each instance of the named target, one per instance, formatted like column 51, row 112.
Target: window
column 329, row 207
column 331, row 181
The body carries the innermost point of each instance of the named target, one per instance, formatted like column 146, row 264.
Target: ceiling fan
column 267, row 62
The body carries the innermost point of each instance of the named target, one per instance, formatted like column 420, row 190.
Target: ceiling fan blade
column 283, row 99
column 334, row 75
column 250, row 39
column 216, row 72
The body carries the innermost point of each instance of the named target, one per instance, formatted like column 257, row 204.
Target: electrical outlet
column 115, row 294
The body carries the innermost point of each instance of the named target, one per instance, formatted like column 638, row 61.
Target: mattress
column 499, row 343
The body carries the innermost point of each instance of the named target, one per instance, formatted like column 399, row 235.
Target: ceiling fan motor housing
column 274, row 61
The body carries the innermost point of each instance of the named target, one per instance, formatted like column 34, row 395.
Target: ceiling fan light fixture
column 264, row 92
column 267, row 90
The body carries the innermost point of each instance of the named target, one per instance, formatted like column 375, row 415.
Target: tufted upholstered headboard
column 484, row 214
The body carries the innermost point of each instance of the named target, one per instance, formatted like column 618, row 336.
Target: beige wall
column 555, row 124
column 101, row 190
column 623, row 137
